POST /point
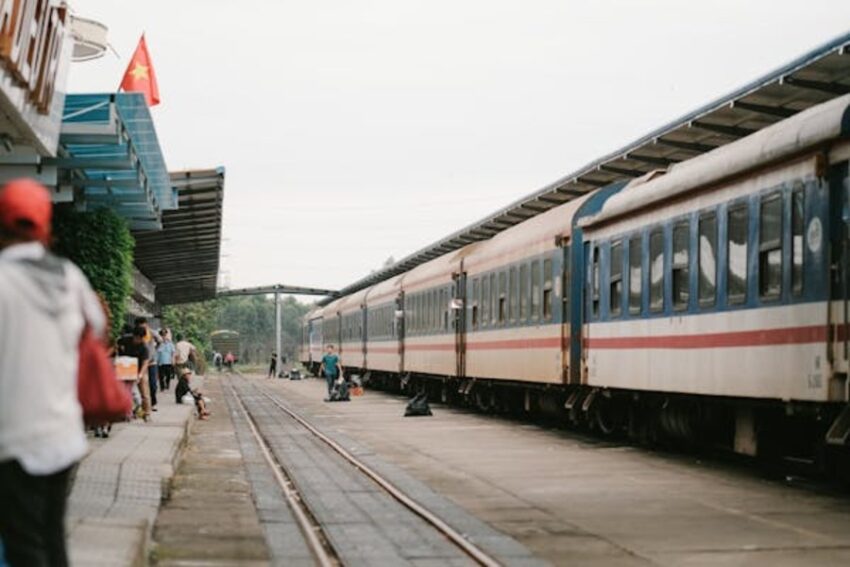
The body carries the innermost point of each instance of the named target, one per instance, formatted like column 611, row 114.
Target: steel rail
column 305, row 524
column 474, row 552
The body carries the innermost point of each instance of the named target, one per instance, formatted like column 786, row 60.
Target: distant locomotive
column 225, row 341
column 707, row 301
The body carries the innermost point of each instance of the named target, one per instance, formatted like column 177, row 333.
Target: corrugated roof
column 182, row 259
column 814, row 78
column 109, row 149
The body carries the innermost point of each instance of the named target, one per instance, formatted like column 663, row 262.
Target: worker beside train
column 331, row 369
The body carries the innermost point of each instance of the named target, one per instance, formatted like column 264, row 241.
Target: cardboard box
column 127, row 368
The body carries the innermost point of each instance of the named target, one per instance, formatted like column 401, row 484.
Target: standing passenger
column 184, row 352
column 152, row 340
column 331, row 367
column 273, row 365
column 45, row 303
column 165, row 357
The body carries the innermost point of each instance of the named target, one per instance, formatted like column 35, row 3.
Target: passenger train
column 707, row 302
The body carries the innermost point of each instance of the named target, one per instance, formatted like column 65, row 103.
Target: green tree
column 251, row 316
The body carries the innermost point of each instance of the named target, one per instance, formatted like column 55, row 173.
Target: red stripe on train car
column 762, row 337
column 383, row 350
column 545, row 342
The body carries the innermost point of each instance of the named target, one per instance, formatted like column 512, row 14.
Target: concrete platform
column 576, row 500
column 118, row 487
column 211, row 518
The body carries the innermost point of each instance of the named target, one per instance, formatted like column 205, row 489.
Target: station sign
column 35, row 45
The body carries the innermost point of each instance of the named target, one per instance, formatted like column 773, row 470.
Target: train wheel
column 609, row 415
column 485, row 399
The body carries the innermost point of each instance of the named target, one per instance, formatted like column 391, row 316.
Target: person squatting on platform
column 45, row 303
column 184, row 386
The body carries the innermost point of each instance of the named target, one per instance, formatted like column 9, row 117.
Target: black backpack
column 418, row 406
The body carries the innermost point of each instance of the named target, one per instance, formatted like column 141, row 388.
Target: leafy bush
column 100, row 243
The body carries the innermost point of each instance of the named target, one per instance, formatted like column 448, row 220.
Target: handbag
column 101, row 395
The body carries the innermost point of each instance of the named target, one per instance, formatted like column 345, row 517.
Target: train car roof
column 808, row 129
column 439, row 268
column 543, row 228
column 353, row 301
column 379, row 292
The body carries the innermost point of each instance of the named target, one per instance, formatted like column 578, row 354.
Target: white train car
column 728, row 276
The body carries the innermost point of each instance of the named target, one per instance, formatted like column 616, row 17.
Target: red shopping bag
column 101, row 396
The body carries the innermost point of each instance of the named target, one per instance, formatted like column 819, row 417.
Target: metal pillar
column 277, row 343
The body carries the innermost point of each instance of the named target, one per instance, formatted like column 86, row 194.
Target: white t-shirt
column 184, row 348
column 44, row 303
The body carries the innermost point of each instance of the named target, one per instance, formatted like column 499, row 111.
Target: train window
column 615, row 281
column 547, row 290
column 635, row 275
column 770, row 247
column 797, row 212
column 444, row 308
column 503, row 299
column 485, row 301
column 707, row 254
column 514, row 296
column 737, row 227
column 523, row 292
column 435, row 311
column 535, row 290
column 475, row 303
column 681, row 265
column 424, row 311
column 565, row 292
column 494, row 302
column 432, row 311
column 594, row 283
column 656, row 270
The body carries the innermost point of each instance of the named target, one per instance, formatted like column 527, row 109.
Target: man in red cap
column 45, row 302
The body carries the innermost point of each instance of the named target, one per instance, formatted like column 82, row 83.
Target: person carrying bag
column 46, row 304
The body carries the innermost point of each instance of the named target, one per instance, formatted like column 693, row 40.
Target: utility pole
column 278, row 366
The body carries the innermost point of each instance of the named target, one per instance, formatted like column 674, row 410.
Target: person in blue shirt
column 165, row 353
column 331, row 368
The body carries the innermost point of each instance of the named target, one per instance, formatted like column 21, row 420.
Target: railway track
column 316, row 533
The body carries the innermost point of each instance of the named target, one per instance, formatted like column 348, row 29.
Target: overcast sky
column 352, row 131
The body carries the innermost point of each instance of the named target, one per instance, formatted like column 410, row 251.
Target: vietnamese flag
column 139, row 76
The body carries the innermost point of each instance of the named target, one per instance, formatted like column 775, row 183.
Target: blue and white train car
column 727, row 277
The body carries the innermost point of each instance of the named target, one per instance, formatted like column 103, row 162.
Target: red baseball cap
column 26, row 209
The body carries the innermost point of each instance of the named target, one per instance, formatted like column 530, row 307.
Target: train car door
column 839, row 206
column 458, row 315
column 398, row 328
column 363, row 330
column 566, row 278
column 577, row 307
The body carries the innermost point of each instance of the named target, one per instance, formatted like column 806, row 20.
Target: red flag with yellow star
column 139, row 76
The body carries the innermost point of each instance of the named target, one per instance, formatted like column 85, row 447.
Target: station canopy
column 108, row 150
column 182, row 259
column 812, row 79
